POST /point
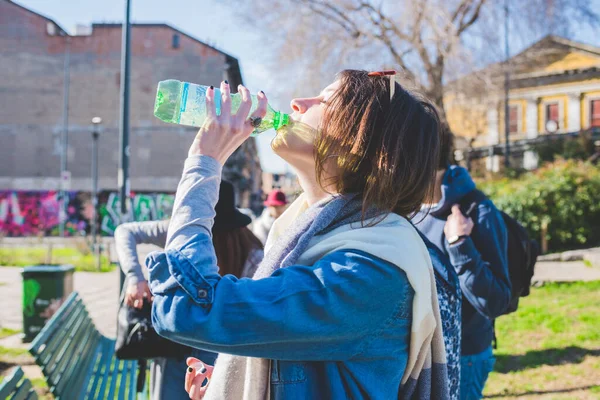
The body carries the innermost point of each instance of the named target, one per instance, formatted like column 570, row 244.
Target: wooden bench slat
column 23, row 391
column 10, row 383
column 84, row 375
column 106, row 371
column 69, row 360
column 127, row 384
column 122, row 381
column 53, row 324
column 98, row 371
column 32, row 396
column 117, row 365
column 57, row 343
column 147, row 383
column 87, row 352
column 133, row 381
column 64, row 355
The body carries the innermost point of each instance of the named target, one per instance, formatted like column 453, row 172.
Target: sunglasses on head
column 392, row 74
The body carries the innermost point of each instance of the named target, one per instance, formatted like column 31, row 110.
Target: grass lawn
column 11, row 357
column 25, row 256
column 4, row 332
column 550, row 348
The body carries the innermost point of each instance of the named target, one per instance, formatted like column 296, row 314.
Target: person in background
column 478, row 251
column 274, row 206
column 238, row 253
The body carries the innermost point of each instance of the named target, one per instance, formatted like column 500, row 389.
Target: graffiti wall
column 144, row 207
column 36, row 213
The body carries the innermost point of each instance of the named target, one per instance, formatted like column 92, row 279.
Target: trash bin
column 45, row 288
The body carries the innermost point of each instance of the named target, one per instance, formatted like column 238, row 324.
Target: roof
column 544, row 51
column 160, row 25
column 550, row 40
column 233, row 70
column 63, row 31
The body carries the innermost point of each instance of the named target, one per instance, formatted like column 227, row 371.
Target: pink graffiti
column 29, row 213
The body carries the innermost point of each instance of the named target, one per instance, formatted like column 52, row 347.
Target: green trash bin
column 45, row 288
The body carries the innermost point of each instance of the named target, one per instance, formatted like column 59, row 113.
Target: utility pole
column 96, row 121
column 64, row 139
column 123, row 177
column 506, row 88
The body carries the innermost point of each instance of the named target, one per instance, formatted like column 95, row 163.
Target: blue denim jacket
column 337, row 329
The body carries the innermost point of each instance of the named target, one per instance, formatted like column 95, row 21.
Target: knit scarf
column 303, row 235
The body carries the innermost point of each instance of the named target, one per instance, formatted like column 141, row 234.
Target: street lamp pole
column 506, row 88
column 96, row 121
column 123, row 177
column 64, row 139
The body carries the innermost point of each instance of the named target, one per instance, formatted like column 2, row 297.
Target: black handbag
column 137, row 339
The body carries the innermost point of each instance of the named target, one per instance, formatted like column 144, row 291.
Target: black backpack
column 522, row 250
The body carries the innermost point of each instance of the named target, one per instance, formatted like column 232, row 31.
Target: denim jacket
column 337, row 329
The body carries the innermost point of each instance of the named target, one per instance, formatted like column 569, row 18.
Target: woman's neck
column 312, row 190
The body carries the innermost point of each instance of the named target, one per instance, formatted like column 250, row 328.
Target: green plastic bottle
column 185, row 104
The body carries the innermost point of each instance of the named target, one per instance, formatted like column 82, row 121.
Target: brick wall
column 31, row 117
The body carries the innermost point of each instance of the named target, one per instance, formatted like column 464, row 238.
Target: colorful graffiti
column 36, row 213
column 32, row 213
column 145, row 207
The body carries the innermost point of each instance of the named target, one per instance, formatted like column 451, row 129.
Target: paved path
column 100, row 293
column 572, row 271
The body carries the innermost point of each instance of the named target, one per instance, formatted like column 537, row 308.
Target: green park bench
column 17, row 387
column 78, row 361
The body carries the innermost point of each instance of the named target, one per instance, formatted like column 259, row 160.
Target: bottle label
column 193, row 105
column 184, row 96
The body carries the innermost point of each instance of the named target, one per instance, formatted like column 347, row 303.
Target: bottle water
column 184, row 103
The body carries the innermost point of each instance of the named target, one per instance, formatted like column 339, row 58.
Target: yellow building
column 554, row 88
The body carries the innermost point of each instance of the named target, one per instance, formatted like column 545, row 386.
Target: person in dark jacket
column 476, row 245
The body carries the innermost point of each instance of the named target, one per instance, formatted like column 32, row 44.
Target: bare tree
column 430, row 41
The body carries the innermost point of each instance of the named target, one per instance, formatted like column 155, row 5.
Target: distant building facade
column 554, row 88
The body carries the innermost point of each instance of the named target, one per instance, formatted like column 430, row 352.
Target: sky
column 209, row 21
column 206, row 20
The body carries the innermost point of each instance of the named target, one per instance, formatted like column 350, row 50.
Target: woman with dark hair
column 238, row 253
column 344, row 303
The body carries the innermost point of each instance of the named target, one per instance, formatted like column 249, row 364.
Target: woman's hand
column 195, row 376
column 457, row 225
column 221, row 135
column 136, row 293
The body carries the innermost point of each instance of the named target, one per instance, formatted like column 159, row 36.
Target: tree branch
column 464, row 25
column 337, row 17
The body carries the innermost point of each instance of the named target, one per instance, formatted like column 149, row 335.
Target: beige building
column 554, row 88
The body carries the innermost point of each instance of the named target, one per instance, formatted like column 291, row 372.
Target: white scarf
column 394, row 240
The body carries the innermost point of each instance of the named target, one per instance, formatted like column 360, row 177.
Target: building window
column 175, row 43
column 595, row 113
column 513, row 120
column 552, row 114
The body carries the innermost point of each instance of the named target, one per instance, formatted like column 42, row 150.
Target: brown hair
column 386, row 151
column 233, row 248
column 446, row 147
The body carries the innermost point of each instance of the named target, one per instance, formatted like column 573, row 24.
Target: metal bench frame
column 78, row 361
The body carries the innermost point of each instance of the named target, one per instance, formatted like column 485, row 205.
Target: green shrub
column 565, row 195
column 580, row 148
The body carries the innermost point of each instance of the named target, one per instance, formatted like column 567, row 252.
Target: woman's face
column 295, row 142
